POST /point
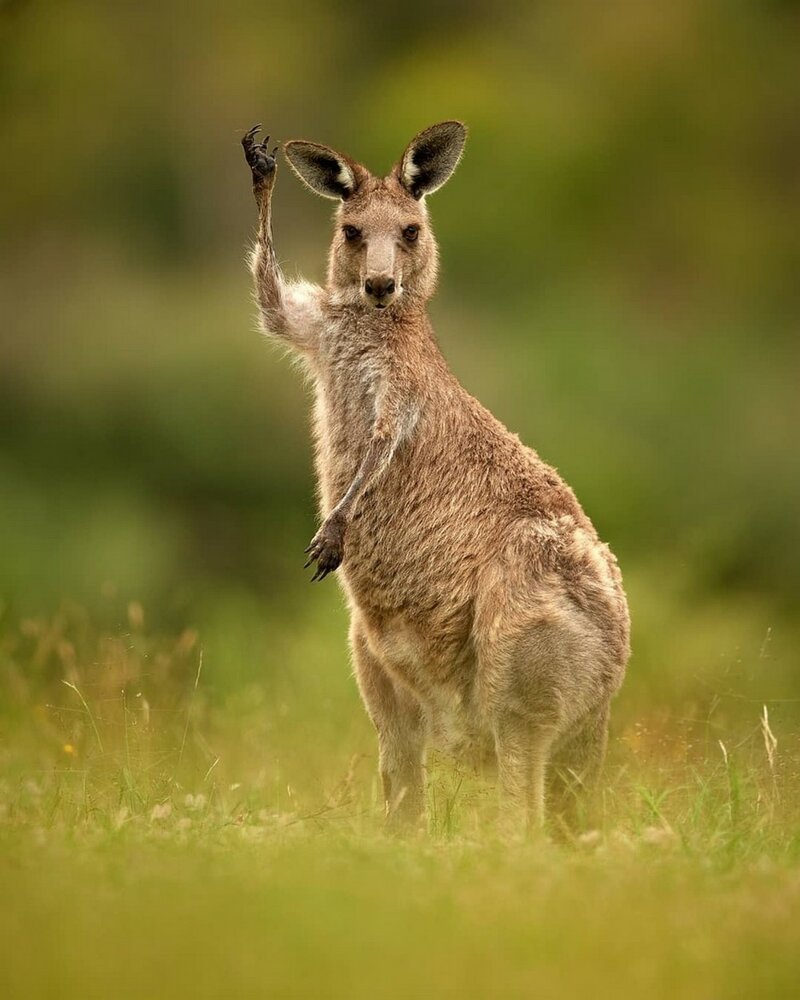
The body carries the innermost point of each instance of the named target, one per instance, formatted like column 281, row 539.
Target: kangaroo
column 483, row 604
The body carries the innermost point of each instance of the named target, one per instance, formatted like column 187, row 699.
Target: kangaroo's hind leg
column 574, row 777
column 402, row 735
column 523, row 745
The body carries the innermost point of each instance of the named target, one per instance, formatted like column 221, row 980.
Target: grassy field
column 159, row 837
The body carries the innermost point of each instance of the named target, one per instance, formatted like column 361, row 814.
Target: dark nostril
column 379, row 287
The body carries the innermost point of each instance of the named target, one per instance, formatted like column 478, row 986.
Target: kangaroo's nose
column 380, row 288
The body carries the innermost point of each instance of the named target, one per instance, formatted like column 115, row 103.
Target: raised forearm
column 289, row 310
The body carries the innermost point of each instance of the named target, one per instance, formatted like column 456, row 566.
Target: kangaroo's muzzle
column 380, row 290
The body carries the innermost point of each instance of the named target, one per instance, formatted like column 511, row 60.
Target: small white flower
column 590, row 839
column 161, row 810
column 659, row 836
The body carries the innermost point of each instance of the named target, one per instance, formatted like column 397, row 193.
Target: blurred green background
column 620, row 286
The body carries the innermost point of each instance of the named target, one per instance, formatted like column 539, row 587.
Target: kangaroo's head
column 383, row 252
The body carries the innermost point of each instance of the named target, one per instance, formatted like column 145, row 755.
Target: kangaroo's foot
column 405, row 803
column 262, row 163
column 327, row 548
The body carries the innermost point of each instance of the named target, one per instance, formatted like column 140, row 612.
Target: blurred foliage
column 619, row 285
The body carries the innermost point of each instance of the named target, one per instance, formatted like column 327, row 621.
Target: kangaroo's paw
column 326, row 548
column 262, row 163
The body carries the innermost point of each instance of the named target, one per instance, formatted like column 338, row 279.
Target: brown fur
column 482, row 601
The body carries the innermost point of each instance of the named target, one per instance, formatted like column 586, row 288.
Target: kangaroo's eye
column 351, row 233
column 410, row 233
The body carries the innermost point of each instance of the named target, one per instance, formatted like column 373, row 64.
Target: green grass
column 162, row 838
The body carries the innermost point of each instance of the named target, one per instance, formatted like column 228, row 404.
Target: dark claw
column 248, row 137
column 313, row 551
column 259, row 159
column 326, row 550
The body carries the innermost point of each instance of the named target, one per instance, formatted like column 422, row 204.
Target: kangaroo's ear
column 431, row 157
column 322, row 169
